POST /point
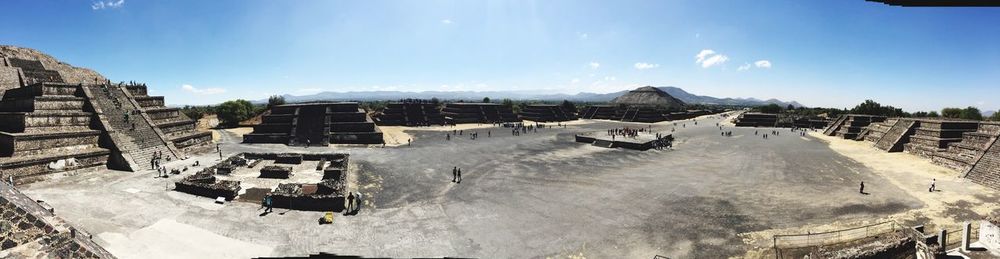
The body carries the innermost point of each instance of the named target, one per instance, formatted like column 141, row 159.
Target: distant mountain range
column 497, row 95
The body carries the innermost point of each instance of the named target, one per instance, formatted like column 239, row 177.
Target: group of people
column 353, row 203
column 156, row 162
column 625, row 132
column 518, row 128
column 765, row 135
column 663, row 142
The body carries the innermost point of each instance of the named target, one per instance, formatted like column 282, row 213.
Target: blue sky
column 820, row 53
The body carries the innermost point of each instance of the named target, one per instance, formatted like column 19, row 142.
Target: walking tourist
column 862, row 190
column 933, row 185
column 459, row 176
column 268, row 203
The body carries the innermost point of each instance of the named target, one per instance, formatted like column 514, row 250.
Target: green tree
column 790, row 107
column 995, row 116
column 507, row 103
column 870, row 107
column 568, row 106
column 933, row 114
column 486, row 99
column 951, row 112
column 971, row 113
column 232, row 112
column 770, row 108
column 275, row 100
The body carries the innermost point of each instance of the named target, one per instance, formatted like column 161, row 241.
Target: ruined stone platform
column 642, row 142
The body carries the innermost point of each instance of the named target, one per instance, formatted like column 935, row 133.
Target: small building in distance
column 316, row 124
column 756, row 119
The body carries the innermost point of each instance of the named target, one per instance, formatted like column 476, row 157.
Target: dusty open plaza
column 500, row 129
column 534, row 195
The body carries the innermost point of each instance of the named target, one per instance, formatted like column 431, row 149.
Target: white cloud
column 708, row 58
column 99, row 5
column 610, row 78
column 594, row 65
column 762, row 64
column 583, row 36
column 643, row 66
column 446, row 21
column 574, row 81
column 743, row 67
column 206, row 91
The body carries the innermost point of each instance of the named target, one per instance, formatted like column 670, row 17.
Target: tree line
column 870, row 107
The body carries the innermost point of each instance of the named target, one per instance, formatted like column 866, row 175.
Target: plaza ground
column 536, row 195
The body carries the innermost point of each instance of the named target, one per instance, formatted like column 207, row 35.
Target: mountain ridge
column 676, row 92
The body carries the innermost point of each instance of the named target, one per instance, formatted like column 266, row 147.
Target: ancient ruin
column 455, row 113
column 545, row 113
column 318, row 185
column 29, row 229
column 849, row 126
column 645, row 104
column 59, row 118
column 410, row 113
column 317, row 124
column 751, row 119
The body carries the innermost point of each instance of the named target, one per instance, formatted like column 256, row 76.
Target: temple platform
column 642, row 142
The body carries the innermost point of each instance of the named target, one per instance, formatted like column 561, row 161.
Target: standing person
column 933, row 183
column 454, row 174
column 459, row 175
column 408, row 141
column 269, row 202
column 350, row 202
column 862, row 190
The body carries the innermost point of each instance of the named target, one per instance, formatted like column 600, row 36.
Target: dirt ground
column 539, row 195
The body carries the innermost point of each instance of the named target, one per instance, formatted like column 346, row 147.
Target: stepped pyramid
column 644, row 104
column 649, row 96
column 55, row 118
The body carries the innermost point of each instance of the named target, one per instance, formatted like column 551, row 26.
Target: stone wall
column 987, row 171
column 989, row 235
column 9, row 79
column 29, row 230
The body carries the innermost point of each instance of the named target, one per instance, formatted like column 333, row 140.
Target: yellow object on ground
column 328, row 218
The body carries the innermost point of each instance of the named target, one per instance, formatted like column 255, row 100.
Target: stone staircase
column 966, row 154
column 132, row 132
column 894, row 139
column 835, row 126
column 44, row 129
column 985, row 167
column 630, row 114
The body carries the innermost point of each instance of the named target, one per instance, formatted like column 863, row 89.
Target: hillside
column 676, row 92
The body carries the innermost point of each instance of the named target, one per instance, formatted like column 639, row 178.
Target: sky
column 819, row 53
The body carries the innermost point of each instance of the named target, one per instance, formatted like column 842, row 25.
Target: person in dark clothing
column 454, row 174
column 350, row 202
column 862, row 190
column 459, row 176
column 268, row 204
